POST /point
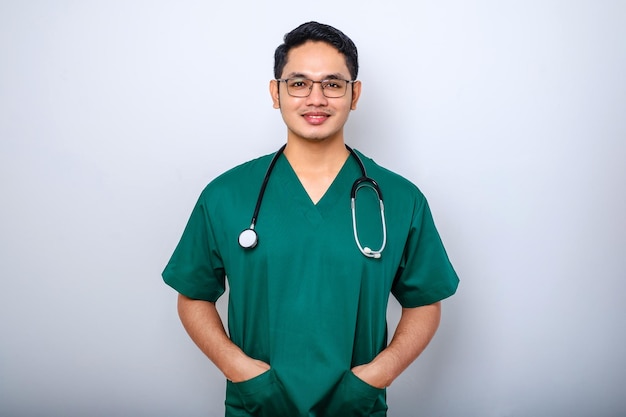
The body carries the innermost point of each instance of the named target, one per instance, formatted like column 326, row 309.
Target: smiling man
column 310, row 278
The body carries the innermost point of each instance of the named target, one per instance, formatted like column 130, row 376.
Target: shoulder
column 237, row 187
column 243, row 177
column 391, row 183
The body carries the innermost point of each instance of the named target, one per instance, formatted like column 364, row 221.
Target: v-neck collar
column 338, row 190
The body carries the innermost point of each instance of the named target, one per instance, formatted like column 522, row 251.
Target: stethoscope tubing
column 270, row 168
column 248, row 238
column 370, row 253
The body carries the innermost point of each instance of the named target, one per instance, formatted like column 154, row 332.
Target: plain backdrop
column 509, row 115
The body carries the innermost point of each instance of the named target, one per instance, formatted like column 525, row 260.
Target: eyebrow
column 335, row 76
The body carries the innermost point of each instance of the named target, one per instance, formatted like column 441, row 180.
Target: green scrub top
column 305, row 299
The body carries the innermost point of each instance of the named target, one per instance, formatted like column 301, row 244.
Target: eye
column 298, row 83
column 333, row 84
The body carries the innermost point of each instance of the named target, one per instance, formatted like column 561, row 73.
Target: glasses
column 302, row 87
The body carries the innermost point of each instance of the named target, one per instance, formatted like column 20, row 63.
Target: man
column 308, row 299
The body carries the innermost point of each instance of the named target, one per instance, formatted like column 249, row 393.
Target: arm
column 204, row 325
column 416, row 328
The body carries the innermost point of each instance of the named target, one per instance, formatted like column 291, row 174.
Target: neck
column 316, row 164
column 316, row 155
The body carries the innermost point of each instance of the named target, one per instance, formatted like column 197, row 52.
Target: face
column 316, row 117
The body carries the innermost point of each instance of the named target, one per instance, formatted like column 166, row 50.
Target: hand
column 369, row 374
column 247, row 368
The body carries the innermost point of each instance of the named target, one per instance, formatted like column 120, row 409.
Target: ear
column 274, row 92
column 356, row 93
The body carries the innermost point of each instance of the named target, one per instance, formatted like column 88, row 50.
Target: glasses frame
column 321, row 83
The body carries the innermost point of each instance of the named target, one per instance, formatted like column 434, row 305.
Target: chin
column 317, row 136
column 315, row 139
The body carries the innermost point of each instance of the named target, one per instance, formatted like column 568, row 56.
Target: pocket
column 265, row 396
column 352, row 397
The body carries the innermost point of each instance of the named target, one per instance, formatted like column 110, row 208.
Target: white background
column 509, row 115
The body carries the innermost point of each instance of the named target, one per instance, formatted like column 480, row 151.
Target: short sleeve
column 425, row 275
column 195, row 268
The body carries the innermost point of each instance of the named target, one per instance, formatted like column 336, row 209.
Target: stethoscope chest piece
column 248, row 239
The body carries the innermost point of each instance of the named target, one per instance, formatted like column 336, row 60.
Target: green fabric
column 306, row 300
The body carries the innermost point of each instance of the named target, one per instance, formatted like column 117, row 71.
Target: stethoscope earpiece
column 370, row 253
column 249, row 239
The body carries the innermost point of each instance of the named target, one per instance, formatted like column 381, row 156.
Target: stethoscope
column 248, row 238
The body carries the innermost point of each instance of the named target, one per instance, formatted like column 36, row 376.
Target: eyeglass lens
column 302, row 87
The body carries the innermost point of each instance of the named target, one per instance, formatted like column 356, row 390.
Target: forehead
column 316, row 59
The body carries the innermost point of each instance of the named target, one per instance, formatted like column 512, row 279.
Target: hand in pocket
column 352, row 397
column 265, row 396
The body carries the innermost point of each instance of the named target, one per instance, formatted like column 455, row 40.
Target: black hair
column 314, row 31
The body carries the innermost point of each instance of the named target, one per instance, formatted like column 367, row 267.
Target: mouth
column 315, row 118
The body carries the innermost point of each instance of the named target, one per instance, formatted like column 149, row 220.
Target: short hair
column 314, row 31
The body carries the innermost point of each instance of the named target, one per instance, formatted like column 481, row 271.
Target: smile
column 316, row 118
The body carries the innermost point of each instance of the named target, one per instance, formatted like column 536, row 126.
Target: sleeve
column 425, row 275
column 195, row 268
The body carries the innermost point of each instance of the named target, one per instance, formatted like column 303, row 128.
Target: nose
column 317, row 97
